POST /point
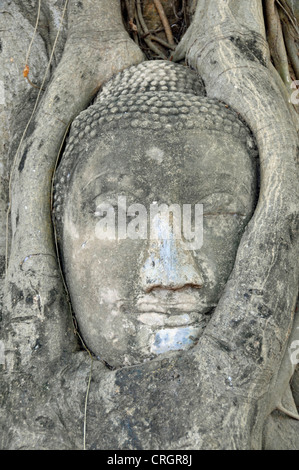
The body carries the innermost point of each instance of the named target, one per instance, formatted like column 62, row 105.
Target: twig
column 289, row 16
column 86, row 402
column 25, row 75
column 33, row 84
column 130, row 6
column 34, row 32
column 140, row 17
column 152, row 31
column 174, row 11
column 165, row 22
column 290, row 43
column 276, row 42
column 292, row 50
column 26, row 69
column 130, row 9
column 152, row 46
column 142, row 26
column 162, row 42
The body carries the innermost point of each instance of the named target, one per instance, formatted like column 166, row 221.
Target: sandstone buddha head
column 143, row 284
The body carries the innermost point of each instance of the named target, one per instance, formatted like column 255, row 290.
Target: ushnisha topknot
column 158, row 96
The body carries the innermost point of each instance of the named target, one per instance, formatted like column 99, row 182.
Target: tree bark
column 97, row 47
column 227, row 46
column 220, row 395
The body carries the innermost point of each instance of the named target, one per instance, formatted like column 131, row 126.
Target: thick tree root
column 287, row 412
column 291, row 37
column 97, row 47
column 232, row 57
column 276, row 42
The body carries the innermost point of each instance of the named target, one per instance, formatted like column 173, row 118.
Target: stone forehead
column 134, row 99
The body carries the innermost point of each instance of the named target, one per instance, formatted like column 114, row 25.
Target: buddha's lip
column 166, row 309
column 170, row 310
column 157, row 305
column 182, row 319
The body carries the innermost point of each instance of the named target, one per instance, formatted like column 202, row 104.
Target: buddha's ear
column 89, row 59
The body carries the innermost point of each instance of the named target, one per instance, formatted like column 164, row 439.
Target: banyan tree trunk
column 228, row 385
column 227, row 45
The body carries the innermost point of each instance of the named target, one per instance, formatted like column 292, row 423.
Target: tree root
column 87, row 62
column 164, row 21
column 276, row 42
column 246, row 83
column 163, row 43
column 290, row 14
column 141, row 24
column 291, row 38
column 145, row 37
column 25, row 73
column 282, row 409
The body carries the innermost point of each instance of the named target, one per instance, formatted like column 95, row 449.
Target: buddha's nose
column 169, row 265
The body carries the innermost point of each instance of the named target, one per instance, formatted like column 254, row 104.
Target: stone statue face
column 137, row 298
column 140, row 285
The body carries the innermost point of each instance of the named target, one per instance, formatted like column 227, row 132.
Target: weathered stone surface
column 241, row 349
column 135, row 298
column 281, row 433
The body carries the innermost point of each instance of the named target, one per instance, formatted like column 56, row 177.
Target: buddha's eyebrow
column 94, row 178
